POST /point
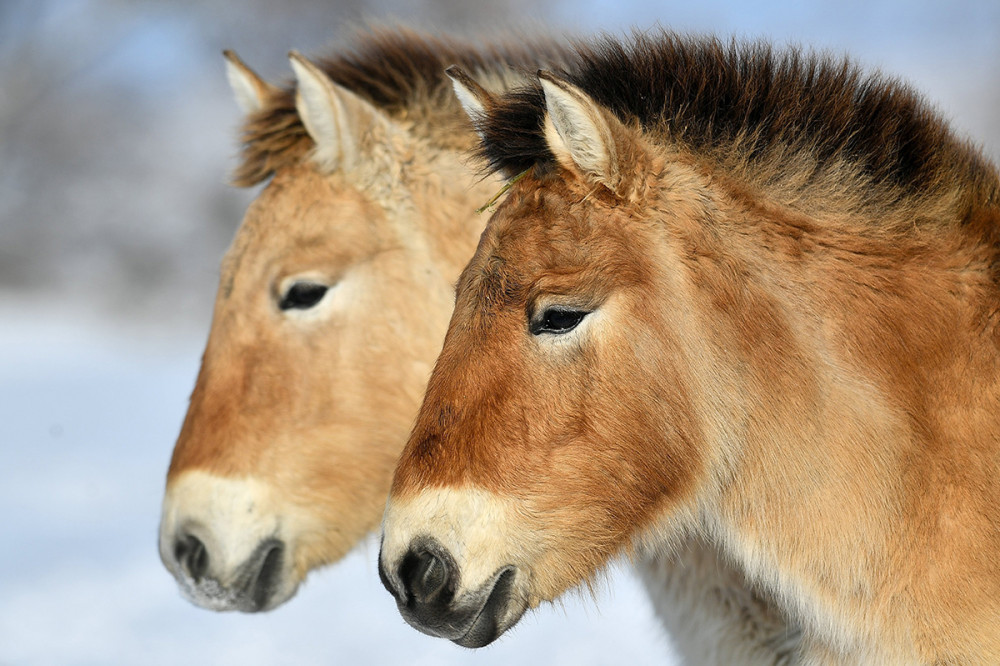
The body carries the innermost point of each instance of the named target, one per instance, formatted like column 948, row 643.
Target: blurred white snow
column 117, row 132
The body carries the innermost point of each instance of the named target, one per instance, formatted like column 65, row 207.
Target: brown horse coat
column 738, row 293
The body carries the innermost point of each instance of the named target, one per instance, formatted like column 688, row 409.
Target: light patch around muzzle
column 234, row 520
column 479, row 529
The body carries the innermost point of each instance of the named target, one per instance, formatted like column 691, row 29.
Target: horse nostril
column 265, row 583
column 424, row 576
column 431, row 577
column 192, row 555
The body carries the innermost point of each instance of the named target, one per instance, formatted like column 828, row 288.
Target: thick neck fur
column 846, row 379
column 827, row 254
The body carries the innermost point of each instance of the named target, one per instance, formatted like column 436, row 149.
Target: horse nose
column 248, row 585
column 424, row 576
column 224, row 542
column 262, row 573
column 191, row 555
column 426, row 583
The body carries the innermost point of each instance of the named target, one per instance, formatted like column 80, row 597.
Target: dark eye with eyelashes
column 303, row 295
column 557, row 320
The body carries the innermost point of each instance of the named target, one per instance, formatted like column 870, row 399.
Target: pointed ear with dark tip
column 334, row 117
column 583, row 135
column 251, row 91
column 475, row 99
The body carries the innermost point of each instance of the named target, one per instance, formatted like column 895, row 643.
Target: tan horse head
column 332, row 304
column 719, row 301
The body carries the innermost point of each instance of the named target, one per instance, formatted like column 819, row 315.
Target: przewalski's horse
column 741, row 294
column 304, row 403
column 333, row 302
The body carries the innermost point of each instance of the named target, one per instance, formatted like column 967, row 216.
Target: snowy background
column 116, row 136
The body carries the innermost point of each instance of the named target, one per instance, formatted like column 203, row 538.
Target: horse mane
column 746, row 106
column 401, row 72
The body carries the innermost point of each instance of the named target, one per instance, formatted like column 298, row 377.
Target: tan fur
column 806, row 373
column 715, row 615
column 320, row 409
column 401, row 72
column 296, row 419
column 314, row 406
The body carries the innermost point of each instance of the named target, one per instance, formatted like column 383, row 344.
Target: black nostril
column 265, row 584
column 192, row 555
column 424, row 575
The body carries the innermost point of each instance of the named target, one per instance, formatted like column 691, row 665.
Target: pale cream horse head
column 332, row 304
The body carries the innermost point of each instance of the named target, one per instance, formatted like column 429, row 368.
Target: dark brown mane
column 399, row 71
column 742, row 103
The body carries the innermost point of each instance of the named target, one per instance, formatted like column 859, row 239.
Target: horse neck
column 838, row 351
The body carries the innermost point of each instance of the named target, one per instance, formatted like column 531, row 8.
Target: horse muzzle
column 223, row 541
column 426, row 583
column 253, row 585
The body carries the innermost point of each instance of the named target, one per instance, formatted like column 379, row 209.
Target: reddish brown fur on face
column 610, row 434
column 796, row 357
column 552, row 432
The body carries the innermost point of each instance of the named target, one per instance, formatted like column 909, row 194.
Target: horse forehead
column 540, row 227
column 306, row 209
column 549, row 233
column 297, row 196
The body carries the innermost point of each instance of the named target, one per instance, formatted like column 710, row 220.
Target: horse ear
column 580, row 133
column 335, row 117
column 473, row 97
column 251, row 91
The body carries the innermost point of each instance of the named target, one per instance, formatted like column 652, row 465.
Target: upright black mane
column 399, row 71
column 722, row 98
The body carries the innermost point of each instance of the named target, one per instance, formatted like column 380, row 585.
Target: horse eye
column 303, row 295
column 558, row 320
